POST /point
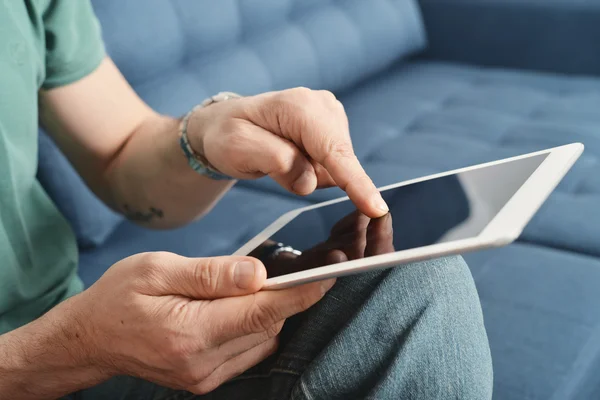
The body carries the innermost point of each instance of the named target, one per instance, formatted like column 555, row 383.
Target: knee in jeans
column 441, row 281
column 438, row 303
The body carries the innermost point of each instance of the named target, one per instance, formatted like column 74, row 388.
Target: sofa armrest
column 551, row 35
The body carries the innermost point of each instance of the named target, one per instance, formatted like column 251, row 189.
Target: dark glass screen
column 439, row 210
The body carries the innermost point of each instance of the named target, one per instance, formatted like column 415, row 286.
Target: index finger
column 316, row 121
column 345, row 169
column 327, row 140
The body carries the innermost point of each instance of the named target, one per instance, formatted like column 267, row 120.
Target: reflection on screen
column 444, row 209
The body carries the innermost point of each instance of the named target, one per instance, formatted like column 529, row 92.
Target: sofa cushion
column 540, row 308
column 177, row 53
column 421, row 117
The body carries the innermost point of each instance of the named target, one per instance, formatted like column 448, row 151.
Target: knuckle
column 274, row 330
column 332, row 104
column 231, row 126
column 328, row 96
column 287, row 106
column 177, row 350
column 302, row 92
column 144, row 258
column 341, row 150
column 272, row 347
column 385, row 233
column 236, row 139
column 194, row 377
column 297, row 110
column 360, row 177
column 150, row 263
column 281, row 161
column 207, row 275
column 261, row 318
column 189, row 372
column 151, row 259
column 293, row 101
column 185, row 370
column 298, row 99
column 359, row 243
column 308, row 299
column 205, row 386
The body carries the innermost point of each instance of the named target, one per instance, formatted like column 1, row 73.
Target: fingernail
column 305, row 183
column 243, row 276
column 380, row 204
column 326, row 285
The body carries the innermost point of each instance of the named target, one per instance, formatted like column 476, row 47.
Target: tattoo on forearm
column 140, row 216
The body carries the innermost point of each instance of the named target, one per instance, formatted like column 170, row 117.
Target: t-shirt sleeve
column 74, row 46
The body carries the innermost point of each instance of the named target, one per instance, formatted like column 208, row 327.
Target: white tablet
column 468, row 209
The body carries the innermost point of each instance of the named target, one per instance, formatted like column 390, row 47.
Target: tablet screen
column 439, row 210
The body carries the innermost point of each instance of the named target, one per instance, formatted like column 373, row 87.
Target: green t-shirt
column 43, row 44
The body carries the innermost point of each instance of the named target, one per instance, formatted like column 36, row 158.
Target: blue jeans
column 410, row 332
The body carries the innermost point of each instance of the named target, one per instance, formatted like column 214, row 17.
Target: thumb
column 207, row 278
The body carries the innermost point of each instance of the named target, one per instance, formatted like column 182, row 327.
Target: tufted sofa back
column 192, row 48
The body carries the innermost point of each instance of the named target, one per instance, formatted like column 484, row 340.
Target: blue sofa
column 428, row 86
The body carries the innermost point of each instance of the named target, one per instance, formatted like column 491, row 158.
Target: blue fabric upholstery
column 256, row 46
column 551, row 35
column 540, row 308
column 540, row 296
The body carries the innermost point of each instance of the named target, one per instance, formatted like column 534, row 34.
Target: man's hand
column 183, row 323
column 188, row 323
column 299, row 137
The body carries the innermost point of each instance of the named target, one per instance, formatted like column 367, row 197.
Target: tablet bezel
column 503, row 229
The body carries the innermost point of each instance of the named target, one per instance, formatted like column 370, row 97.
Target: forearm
column 127, row 153
column 46, row 358
column 151, row 182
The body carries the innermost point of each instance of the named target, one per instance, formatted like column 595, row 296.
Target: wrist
column 191, row 134
column 49, row 357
